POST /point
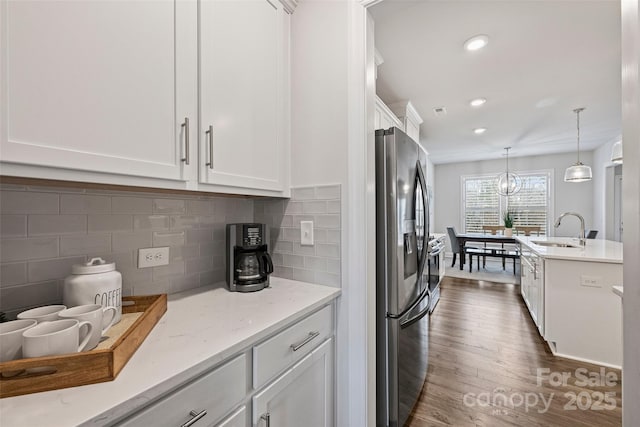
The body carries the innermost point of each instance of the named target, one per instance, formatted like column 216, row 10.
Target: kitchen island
column 202, row 329
column 567, row 290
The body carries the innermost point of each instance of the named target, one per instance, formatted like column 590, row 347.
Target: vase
column 508, row 232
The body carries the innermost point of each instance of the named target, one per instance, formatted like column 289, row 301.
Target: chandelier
column 508, row 183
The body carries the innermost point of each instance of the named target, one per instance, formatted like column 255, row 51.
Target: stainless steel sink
column 553, row 244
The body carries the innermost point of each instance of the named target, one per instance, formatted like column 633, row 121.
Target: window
column 483, row 206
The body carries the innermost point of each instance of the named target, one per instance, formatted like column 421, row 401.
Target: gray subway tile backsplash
column 110, row 223
column 23, row 202
column 56, row 225
column 131, row 205
column 13, row 226
column 47, row 230
column 84, row 204
column 319, row 263
column 14, row 273
column 29, row 248
column 83, row 244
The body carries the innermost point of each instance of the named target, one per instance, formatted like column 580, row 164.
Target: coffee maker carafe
column 248, row 261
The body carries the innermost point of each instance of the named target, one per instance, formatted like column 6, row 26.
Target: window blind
column 484, row 206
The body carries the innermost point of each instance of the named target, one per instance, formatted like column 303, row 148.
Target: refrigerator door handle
column 414, row 318
column 425, row 293
column 425, row 201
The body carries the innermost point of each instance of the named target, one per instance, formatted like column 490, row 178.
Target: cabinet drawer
column 290, row 345
column 216, row 392
column 237, row 419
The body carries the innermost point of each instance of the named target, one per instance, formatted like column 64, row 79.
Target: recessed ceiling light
column 476, row 42
column 477, row 102
column 479, row 131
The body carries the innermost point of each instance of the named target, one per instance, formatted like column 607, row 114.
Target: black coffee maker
column 248, row 261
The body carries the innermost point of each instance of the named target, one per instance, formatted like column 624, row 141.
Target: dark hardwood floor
column 484, row 357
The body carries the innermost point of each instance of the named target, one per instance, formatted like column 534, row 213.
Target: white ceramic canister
column 96, row 282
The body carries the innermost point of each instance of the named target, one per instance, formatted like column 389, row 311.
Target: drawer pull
column 185, row 125
column 196, row 417
column 267, row 419
column 312, row 335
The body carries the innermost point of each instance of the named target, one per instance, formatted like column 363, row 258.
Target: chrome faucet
column 582, row 238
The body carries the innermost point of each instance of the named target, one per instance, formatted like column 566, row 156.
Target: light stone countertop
column 618, row 290
column 596, row 250
column 201, row 328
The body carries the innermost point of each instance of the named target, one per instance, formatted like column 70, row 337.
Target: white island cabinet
column 191, row 95
column 568, row 293
column 216, row 358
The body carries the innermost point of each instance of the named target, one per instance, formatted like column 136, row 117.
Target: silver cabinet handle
column 210, row 133
column 267, row 419
column 196, row 417
column 185, row 125
column 312, row 335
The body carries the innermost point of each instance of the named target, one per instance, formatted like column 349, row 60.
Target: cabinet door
column 304, row 392
column 243, row 93
column 237, row 419
column 100, row 86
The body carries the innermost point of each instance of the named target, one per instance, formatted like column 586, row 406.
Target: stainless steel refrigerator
column 402, row 291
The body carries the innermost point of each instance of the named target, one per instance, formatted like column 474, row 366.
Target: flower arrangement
column 508, row 219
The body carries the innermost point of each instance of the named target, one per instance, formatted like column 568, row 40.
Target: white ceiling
column 544, row 59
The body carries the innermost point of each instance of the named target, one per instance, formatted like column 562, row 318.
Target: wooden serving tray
column 139, row 315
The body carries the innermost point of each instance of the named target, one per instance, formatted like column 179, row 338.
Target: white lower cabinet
column 303, row 395
column 237, row 419
column 201, row 402
column 286, row 379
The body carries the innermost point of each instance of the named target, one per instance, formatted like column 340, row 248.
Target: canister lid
column 95, row 265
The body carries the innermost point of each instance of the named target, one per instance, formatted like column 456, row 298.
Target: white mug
column 56, row 337
column 11, row 338
column 46, row 313
column 94, row 314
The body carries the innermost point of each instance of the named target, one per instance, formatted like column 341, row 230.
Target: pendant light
column 508, row 183
column 578, row 172
column 616, row 153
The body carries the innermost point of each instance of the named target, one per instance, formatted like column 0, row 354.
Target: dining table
column 483, row 238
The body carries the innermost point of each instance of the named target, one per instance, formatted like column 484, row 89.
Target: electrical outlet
column 591, row 281
column 153, row 257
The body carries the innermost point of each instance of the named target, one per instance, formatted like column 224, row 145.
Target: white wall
column 319, row 41
column 576, row 197
column 631, row 194
column 603, row 173
column 328, row 138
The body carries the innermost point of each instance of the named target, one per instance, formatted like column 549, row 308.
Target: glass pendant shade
column 616, row 153
column 578, row 172
column 508, row 183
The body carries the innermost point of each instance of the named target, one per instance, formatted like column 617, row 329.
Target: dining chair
column 455, row 245
column 528, row 229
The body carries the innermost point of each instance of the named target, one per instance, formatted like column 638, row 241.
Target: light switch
column 306, row 233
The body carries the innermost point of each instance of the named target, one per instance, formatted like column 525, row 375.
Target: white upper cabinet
column 244, row 100
column 385, row 118
column 409, row 117
column 100, row 86
column 102, row 91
